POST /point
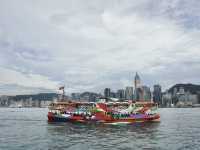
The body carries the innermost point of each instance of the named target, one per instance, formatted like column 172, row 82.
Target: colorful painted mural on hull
column 103, row 112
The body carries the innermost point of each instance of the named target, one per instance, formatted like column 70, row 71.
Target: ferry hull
column 133, row 119
column 56, row 118
column 107, row 113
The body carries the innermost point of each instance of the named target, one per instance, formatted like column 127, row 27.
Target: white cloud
column 27, row 80
column 91, row 45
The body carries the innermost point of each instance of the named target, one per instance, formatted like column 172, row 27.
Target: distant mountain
column 89, row 94
column 40, row 96
column 192, row 88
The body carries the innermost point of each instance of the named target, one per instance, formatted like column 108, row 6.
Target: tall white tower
column 137, row 81
column 139, row 93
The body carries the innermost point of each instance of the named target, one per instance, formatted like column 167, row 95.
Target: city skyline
column 179, row 95
column 88, row 46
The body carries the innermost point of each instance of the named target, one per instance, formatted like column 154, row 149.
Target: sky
column 92, row 44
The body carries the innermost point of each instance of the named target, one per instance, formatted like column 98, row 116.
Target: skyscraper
column 113, row 94
column 107, row 92
column 137, row 81
column 146, row 93
column 129, row 93
column 121, row 94
column 157, row 94
column 137, row 84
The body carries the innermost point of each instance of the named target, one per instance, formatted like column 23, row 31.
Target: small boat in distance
column 103, row 112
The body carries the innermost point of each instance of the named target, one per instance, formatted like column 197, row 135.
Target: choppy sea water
column 28, row 129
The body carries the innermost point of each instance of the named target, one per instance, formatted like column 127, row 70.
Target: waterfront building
column 129, row 93
column 186, row 97
column 4, row 101
column 107, row 92
column 181, row 90
column 121, row 94
column 45, row 103
column 146, row 93
column 193, row 98
column 37, row 100
column 27, row 102
column 167, row 99
column 175, row 91
column 157, row 94
column 113, row 94
column 180, row 99
column 75, row 96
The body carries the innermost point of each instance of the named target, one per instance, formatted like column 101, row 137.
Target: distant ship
column 16, row 106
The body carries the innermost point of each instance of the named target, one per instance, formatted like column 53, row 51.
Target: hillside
column 41, row 96
column 192, row 88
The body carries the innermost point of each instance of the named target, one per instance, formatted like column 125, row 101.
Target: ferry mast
column 63, row 92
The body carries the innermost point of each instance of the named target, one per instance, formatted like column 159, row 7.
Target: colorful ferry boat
column 103, row 112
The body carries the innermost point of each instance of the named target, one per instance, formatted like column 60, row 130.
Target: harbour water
column 28, row 129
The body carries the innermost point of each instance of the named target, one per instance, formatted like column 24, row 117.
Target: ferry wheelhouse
column 103, row 112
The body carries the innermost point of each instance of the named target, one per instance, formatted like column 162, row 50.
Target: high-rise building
column 175, row 91
column 137, row 81
column 157, row 94
column 167, row 99
column 107, row 92
column 75, row 96
column 129, row 93
column 146, row 93
column 138, row 90
column 181, row 90
column 121, row 94
column 113, row 94
column 138, row 94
